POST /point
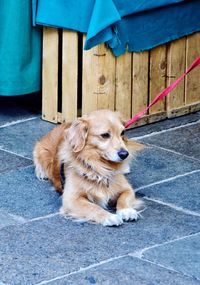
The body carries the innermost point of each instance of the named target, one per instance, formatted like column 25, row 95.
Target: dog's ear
column 77, row 134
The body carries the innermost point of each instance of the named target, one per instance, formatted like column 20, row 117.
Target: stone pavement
column 38, row 246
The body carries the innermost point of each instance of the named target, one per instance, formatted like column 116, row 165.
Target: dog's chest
column 102, row 195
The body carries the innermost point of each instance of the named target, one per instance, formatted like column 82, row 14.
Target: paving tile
column 10, row 112
column 185, row 140
column 153, row 164
column 24, row 195
column 182, row 255
column 126, row 271
column 183, row 192
column 163, row 125
column 7, row 219
column 21, row 138
column 43, row 249
column 11, row 161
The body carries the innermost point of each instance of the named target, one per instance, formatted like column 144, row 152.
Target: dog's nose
column 123, row 154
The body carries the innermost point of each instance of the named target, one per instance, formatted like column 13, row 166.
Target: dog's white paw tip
column 113, row 220
column 128, row 214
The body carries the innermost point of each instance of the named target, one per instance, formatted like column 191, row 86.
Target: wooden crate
column 76, row 81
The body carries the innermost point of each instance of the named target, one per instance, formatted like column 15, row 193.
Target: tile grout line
column 168, row 268
column 53, row 215
column 172, row 151
column 11, row 152
column 18, row 122
column 82, row 269
column 17, row 218
column 139, row 253
column 167, row 180
column 170, row 205
column 135, row 254
column 165, row 131
column 160, row 265
column 42, row 217
column 180, row 209
column 19, row 169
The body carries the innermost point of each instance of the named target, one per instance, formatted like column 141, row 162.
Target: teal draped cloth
column 135, row 25
column 20, row 49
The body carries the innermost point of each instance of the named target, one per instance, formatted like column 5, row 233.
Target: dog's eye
column 105, row 136
column 122, row 133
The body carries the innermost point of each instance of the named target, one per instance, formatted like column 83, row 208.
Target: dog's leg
column 82, row 208
column 126, row 205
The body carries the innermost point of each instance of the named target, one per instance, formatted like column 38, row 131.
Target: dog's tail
column 45, row 156
column 134, row 146
column 42, row 166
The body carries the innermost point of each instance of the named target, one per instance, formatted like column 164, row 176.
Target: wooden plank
column 192, row 81
column 50, row 75
column 176, row 67
column 123, row 85
column 157, row 77
column 89, row 86
column 69, row 75
column 105, row 78
column 140, row 81
column 98, row 79
column 184, row 110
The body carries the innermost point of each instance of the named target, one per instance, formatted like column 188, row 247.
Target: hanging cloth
column 20, row 49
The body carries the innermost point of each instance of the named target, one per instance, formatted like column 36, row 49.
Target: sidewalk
column 38, row 246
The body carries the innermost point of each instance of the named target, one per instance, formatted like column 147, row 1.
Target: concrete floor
column 37, row 246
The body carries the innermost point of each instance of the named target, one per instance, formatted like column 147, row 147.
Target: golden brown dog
column 95, row 154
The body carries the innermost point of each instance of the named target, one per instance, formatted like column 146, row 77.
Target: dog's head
column 101, row 132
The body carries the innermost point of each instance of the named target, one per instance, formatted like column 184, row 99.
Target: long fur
column 93, row 169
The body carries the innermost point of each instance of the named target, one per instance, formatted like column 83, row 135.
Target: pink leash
column 163, row 93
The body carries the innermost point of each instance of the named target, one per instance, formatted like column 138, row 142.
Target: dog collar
column 94, row 177
column 105, row 181
column 62, row 174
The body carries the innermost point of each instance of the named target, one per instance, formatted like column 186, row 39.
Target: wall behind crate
column 76, row 81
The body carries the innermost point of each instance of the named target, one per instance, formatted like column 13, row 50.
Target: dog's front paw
column 112, row 220
column 128, row 214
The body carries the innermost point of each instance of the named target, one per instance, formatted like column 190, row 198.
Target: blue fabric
column 152, row 28
column 123, row 24
column 20, row 49
column 127, row 7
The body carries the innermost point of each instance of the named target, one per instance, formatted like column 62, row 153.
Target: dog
column 95, row 155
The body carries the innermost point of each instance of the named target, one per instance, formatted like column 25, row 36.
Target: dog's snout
column 123, row 154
